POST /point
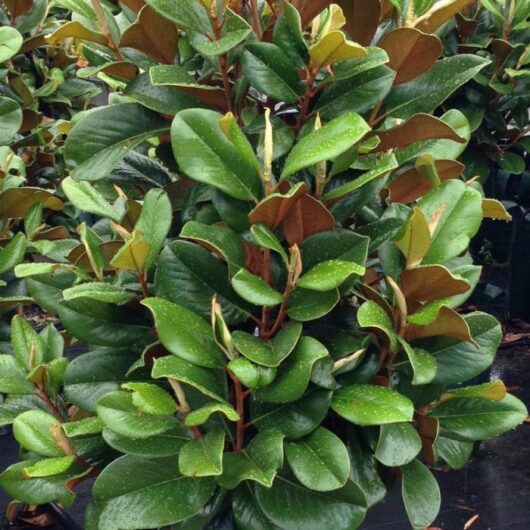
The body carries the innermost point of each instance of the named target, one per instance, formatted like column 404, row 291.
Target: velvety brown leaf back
column 410, row 52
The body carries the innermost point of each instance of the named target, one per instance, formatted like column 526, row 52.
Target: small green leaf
column 184, row 333
column 255, row 290
column 319, row 461
column 305, row 304
column 28, row 346
column 84, row 427
column 326, row 143
column 202, row 379
column 10, row 118
column 13, row 377
column 372, row 315
column 202, row 415
column 10, row 43
column 398, row 444
column 295, row 419
column 268, row 353
column 422, row 362
column 118, row 413
column 371, row 405
column 102, row 292
column 259, row 462
column 329, row 275
column 270, row 71
column 265, row 238
column 48, row 467
column 203, row 457
column 421, row 494
column 151, row 399
column 294, row 373
column 13, row 252
column 33, row 431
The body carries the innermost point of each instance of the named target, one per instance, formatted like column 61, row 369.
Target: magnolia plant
column 264, row 253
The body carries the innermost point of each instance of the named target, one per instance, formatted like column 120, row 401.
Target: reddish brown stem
column 281, row 314
column 217, row 27
column 142, row 278
column 51, row 405
column 196, row 432
column 304, row 109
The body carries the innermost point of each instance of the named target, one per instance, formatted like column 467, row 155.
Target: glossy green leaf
column 102, row 292
column 83, row 427
column 33, row 431
column 186, row 14
column 454, row 452
column 48, row 467
column 206, row 153
column 192, row 275
column 224, row 240
column 458, row 361
column 28, row 346
column 259, row 462
column 421, row 494
column 87, row 199
column 203, row 457
column 154, row 222
column 270, row 70
column 151, row 399
column 13, row 377
column 293, row 374
column 255, row 290
column 364, row 470
column 382, row 168
column 202, row 379
column 423, row 364
column 119, row 414
column 184, row 333
column 168, row 443
column 329, row 275
column 371, row 405
column 326, row 143
column 475, row 419
column 38, row 490
column 291, row 506
column 445, row 76
column 288, row 35
column 459, row 222
column 266, row 238
column 235, row 30
column 13, row 252
column 158, row 496
column 319, row 461
column 268, row 353
column 398, row 444
column 247, row 513
column 305, row 304
column 92, row 375
column 358, row 93
column 372, row 315
column 104, row 324
column 203, row 414
column 295, row 419
column 251, row 375
column 10, row 118
column 127, row 125
column 10, row 43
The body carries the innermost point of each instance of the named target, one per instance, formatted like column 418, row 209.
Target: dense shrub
column 260, row 241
